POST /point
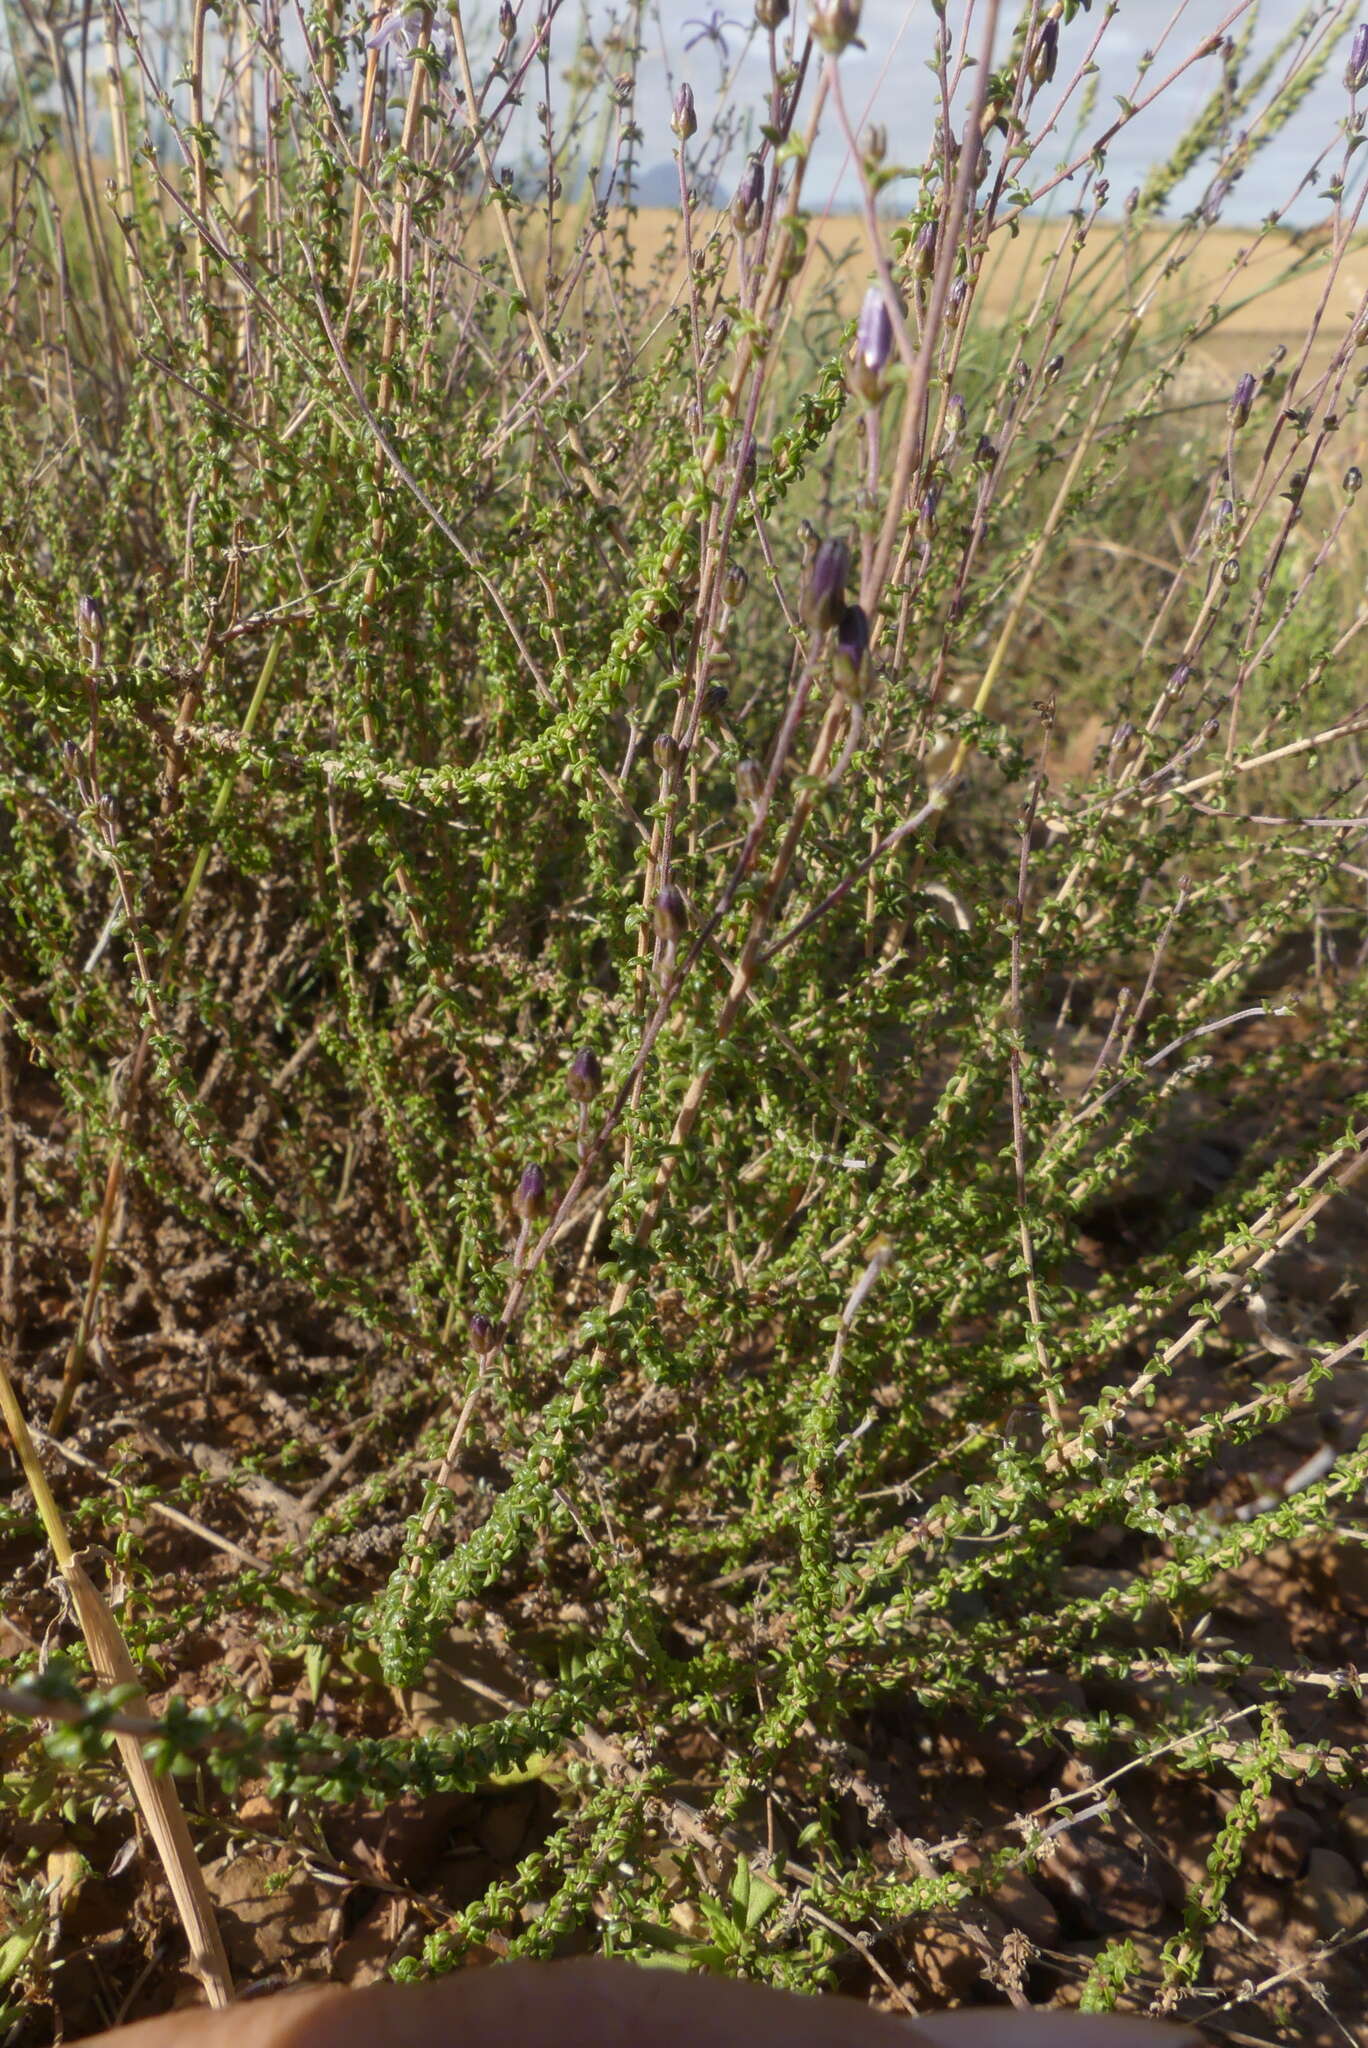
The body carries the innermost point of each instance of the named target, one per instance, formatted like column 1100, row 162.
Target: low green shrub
column 675, row 961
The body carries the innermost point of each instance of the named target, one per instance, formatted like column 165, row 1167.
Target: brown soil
column 201, row 1360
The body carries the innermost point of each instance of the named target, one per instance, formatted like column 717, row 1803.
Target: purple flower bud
column 955, row 300
column 1222, row 518
column 926, row 514
column 771, row 13
column 671, row 914
column 735, row 584
column 584, row 1076
column 748, row 207
column 529, row 1202
column 1179, row 680
column 924, row 250
column 508, row 21
column 873, row 347
column 90, row 619
column 955, row 416
column 835, row 24
column 823, row 595
column 1241, row 400
column 986, row 453
column 1052, row 369
column 750, row 782
column 684, row 120
column 1045, row 55
column 484, row 1335
column 667, row 751
column 1125, row 745
column 850, row 656
column 1356, row 70
column 1353, row 480
column 1216, row 198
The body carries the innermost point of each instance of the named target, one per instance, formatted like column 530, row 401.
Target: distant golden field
column 1271, row 295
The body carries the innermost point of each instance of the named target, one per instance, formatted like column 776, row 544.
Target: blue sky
column 889, row 81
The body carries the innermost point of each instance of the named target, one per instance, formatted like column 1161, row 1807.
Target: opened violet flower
column 401, row 29
column 401, row 25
